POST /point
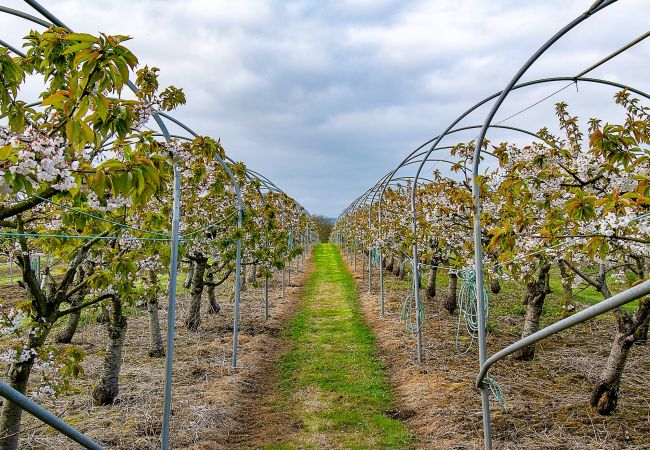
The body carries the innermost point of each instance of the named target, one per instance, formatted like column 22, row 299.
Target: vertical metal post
column 416, row 295
column 370, row 270
column 381, row 284
column 235, row 328
column 171, row 309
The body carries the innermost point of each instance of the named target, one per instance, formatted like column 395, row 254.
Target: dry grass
column 546, row 399
column 208, row 396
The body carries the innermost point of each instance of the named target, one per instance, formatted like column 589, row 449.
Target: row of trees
column 579, row 202
column 83, row 180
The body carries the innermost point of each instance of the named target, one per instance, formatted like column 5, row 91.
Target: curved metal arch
column 478, row 250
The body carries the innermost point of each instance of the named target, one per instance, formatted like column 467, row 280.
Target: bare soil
column 546, row 399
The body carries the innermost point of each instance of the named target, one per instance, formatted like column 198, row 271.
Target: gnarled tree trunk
column 193, row 320
column 108, row 388
column 535, row 295
column 604, row 395
column 449, row 302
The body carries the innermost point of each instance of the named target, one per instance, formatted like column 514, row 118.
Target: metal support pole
column 369, row 270
column 381, row 284
column 416, row 296
column 235, row 328
column 42, row 414
column 171, row 310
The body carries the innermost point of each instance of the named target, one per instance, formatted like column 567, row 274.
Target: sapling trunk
column 156, row 348
column 449, row 302
column 431, row 284
column 108, row 388
column 193, row 320
column 536, row 291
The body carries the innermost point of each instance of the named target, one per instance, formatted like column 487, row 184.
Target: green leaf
column 55, row 98
column 83, row 37
column 77, row 47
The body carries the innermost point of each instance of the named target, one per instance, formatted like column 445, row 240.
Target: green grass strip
column 331, row 381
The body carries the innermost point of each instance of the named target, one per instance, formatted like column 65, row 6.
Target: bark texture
column 536, row 291
column 449, row 302
column 108, row 388
column 156, row 348
column 431, row 283
column 193, row 320
column 190, row 275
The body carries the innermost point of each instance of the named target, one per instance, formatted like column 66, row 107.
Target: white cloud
column 325, row 97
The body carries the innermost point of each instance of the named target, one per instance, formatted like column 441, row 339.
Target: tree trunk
column 449, row 302
column 402, row 270
column 242, row 278
column 535, row 296
column 190, row 276
column 214, row 306
column 156, row 348
column 431, row 285
column 252, row 276
column 18, row 378
column 193, row 320
column 108, row 388
column 65, row 335
column 604, row 395
column 397, row 270
column 391, row 263
column 567, row 289
column 641, row 335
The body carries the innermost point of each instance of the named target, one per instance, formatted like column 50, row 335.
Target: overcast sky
column 324, row 97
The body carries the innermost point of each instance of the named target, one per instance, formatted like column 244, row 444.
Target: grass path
column 331, row 382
